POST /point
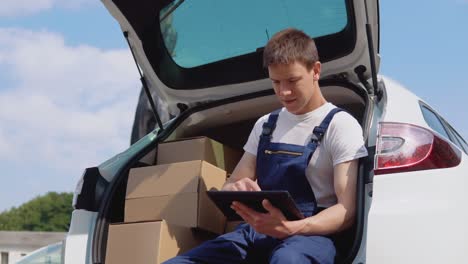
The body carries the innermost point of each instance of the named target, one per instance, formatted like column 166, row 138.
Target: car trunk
column 230, row 122
column 220, row 95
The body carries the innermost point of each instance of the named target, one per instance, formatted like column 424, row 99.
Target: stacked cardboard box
column 199, row 148
column 167, row 210
column 148, row 242
column 175, row 192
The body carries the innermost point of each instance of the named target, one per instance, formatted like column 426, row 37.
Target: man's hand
column 244, row 184
column 243, row 176
column 273, row 223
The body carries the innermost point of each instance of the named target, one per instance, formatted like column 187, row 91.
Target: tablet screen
column 253, row 199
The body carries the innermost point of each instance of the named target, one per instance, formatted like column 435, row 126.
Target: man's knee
column 287, row 255
column 303, row 249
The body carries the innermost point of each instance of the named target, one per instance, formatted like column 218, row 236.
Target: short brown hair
column 288, row 46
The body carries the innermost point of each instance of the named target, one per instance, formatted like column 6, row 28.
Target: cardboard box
column 147, row 242
column 176, row 193
column 201, row 148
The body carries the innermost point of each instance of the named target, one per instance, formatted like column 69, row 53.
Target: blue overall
column 280, row 166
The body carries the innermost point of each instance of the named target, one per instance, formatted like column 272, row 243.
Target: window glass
column 434, row 122
column 462, row 141
column 51, row 254
column 204, row 31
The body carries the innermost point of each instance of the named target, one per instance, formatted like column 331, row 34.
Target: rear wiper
column 172, row 9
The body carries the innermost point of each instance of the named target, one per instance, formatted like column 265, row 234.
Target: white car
column 50, row 254
column 201, row 61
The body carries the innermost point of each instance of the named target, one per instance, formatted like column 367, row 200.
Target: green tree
column 50, row 212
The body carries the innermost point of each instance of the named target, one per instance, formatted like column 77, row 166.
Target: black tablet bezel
column 280, row 199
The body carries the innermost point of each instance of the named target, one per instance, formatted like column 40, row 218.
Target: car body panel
column 79, row 241
column 416, row 217
column 419, row 217
column 411, row 113
column 399, row 96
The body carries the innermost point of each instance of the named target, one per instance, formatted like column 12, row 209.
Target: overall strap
column 270, row 125
column 320, row 130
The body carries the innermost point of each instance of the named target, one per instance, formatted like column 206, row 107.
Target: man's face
column 295, row 85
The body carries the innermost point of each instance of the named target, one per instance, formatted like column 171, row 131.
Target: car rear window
column 462, row 141
column 200, row 32
column 433, row 121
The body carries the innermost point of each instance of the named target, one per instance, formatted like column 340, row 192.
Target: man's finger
column 251, row 185
column 245, row 216
column 245, row 209
column 241, row 206
column 254, row 187
column 269, row 207
column 240, row 210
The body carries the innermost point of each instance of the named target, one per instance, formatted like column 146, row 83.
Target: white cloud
column 68, row 107
column 9, row 8
column 43, row 61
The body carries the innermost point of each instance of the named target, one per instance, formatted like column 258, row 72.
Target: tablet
column 253, row 199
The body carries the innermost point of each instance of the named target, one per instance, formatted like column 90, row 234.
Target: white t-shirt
column 343, row 141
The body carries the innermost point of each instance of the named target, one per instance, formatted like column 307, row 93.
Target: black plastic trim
column 378, row 24
column 360, row 211
column 369, row 165
column 91, row 191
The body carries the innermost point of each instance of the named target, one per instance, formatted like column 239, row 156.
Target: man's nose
column 284, row 89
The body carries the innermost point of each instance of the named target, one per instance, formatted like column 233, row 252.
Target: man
column 309, row 148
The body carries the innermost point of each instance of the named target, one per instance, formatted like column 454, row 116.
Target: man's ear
column 317, row 69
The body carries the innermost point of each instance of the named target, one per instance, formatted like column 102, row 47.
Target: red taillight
column 404, row 147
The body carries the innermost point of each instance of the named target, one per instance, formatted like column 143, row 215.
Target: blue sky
column 68, row 85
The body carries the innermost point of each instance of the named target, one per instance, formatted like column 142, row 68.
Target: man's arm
column 243, row 177
column 331, row 220
column 339, row 216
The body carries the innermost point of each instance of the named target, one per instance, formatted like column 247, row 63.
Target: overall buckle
column 267, row 129
column 317, row 134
